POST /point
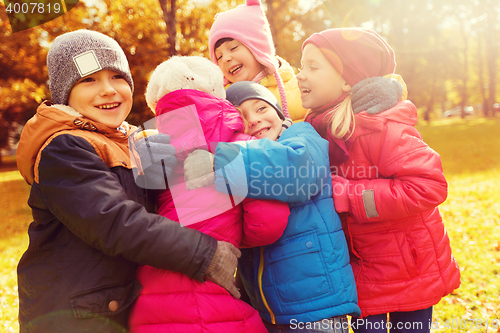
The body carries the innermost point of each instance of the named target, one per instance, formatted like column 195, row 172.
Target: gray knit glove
column 223, row 266
column 157, row 159
column 199, row 169
column 376, row 94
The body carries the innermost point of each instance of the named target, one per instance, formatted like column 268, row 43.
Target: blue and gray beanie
column 77, row 54
column 239, row 92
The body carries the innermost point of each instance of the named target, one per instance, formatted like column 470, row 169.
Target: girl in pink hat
column 387, row 184
column 241, row 44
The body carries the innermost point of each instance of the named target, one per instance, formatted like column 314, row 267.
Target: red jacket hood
column 404, row 112
column 195, row 119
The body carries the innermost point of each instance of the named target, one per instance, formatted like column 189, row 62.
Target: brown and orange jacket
column 91, row 228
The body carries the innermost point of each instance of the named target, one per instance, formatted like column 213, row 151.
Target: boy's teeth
column 108, row 106
column 262, row 132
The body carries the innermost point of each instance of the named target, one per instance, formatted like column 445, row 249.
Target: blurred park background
column 446, row 50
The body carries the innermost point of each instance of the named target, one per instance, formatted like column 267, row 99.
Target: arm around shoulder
column 292, row 169
column 88, row 197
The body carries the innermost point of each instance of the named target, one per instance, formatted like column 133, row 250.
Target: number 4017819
column 33, row 8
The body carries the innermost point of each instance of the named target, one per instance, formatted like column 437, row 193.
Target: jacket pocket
column 408, row 253
column 297, row 268
column 106, row 300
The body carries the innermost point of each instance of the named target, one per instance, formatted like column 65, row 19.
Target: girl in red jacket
column 387, row 184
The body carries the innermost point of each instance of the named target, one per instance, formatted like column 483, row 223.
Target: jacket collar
column 195, row 118
column 50, row 119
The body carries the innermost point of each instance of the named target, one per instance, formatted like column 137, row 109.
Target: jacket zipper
column 261, row 271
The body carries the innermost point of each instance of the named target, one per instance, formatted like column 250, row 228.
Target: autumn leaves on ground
column 470, row 151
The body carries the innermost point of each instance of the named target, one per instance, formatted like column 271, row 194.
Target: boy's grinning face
column 103, row 96
column 261, row 119
column 237, row 62
column 319, row 83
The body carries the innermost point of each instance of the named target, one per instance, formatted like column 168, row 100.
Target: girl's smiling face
column 319, row 83
column 237, row 62
column 261, row 119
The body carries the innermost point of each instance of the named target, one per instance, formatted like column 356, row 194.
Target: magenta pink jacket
column 170, row 301
column 400, row 251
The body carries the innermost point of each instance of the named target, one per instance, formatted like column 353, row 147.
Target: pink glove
column 340, row 193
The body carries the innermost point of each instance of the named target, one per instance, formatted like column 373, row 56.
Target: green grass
column 470, row 151
column 15, row 218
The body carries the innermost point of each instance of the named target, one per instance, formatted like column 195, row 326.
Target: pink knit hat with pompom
column 248, row 24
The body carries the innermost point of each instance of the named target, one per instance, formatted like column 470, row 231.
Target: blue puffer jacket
column 305, row 275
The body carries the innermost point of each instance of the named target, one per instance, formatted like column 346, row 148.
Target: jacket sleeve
column 409, row 181
column 264, row 222
column 293, row 169
column 80, row 190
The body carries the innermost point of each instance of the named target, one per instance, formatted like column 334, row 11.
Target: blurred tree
column 291, row 22
column 435, row 42
column 491, row 33
column 169, row 8
column 446, row 49
column 22, row 62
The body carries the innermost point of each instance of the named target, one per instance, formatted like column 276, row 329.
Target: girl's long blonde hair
column 341, row 119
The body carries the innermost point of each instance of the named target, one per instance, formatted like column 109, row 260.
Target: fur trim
column 67, row 109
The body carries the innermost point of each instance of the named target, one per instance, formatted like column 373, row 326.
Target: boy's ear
column 346, row 87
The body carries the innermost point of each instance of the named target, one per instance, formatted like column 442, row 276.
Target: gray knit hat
column 80, row 53
column 239, row 92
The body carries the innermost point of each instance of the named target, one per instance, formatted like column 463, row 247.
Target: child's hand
column 157, row 158
column 199, row 169
column 376, row 94
column 223, row 266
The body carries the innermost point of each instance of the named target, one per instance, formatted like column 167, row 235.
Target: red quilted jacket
column 173, row 302
column 399, row 248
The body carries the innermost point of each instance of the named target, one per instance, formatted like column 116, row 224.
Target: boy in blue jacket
column 303, row 282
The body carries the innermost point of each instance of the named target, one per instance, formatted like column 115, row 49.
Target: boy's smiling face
column 261, row 119
column 103, row 96
column 237, row 62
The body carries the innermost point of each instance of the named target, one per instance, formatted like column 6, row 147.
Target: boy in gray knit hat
column 92, row 224
column 80, row 53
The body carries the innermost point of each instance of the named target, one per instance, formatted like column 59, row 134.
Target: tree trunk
column 491, row 42
column 430, row 104
column 169, row 7
column 464, row 71
column 482, row 82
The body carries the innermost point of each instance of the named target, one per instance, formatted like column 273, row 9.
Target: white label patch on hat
column 87, row 63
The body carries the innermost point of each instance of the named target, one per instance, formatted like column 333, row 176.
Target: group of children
column 335, row 215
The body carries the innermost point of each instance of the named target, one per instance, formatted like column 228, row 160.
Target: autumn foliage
column 446, row 50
